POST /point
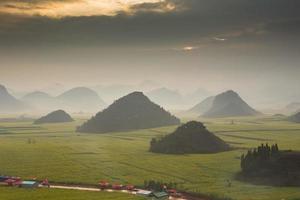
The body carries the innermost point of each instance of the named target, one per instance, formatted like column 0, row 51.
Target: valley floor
column 58, row 194
column 60, row 154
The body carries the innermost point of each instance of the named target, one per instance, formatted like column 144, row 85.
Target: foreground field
column 46, row 194
column 58, row 153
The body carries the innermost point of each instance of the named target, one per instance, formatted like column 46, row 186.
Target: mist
column 184, row 46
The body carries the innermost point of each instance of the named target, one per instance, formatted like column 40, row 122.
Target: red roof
column 130, row 187
column 117, row 186
column 172, row 191
column 45, row 182
column 12, row 181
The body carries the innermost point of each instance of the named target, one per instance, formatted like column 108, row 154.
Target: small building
column 117, row 186
column 104, row 185
column 130, row 187
column 13, row 181
column 29, row 184
column 144, row 193
column 160, row 195
column 45, row 183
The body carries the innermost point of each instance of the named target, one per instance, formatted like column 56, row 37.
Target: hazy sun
column 79, row 7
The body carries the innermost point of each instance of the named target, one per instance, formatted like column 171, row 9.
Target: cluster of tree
column 259, row 158
column 192, row 137
column 268, row 165
column 159, row 185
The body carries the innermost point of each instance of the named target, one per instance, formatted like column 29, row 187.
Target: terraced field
column 60, row 154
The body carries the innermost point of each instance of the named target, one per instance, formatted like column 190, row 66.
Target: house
column 160, row 195
column 117, row 186
column 13, row 181
column 130, row 187
column 29, row 184
column 104, row 185
column 45, row 183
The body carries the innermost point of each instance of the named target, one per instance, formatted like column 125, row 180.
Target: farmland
column 13, row 193
column 60, row 154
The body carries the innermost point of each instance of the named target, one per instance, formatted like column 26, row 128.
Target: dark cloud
column 192, row 21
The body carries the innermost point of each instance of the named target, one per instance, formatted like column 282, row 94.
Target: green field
column 28, row 194
column 58, row 153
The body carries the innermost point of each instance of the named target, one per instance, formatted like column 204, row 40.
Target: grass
column 38, row 194
column 58, row 153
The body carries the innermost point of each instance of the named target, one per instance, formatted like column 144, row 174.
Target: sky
column 251, row 46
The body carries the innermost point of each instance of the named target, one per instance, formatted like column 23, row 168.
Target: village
column 102, row 186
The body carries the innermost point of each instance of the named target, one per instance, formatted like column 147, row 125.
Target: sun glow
column 73, row 8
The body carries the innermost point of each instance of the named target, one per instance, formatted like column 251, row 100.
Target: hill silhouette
column 58, row 116
column 37, row 95
column 40, row 100
column 203, row 106
column 229, row 104
column 194, row 97
column 192, row 137
column 134, row 111
column 295, row 118
column 279, row 115
column 80, row 98
column 9, row 103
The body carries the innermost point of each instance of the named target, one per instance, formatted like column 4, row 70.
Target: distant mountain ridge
column 81, row 99
column 9, row 103
column 203, row 106
column 76, row 99
column 37, row 94
column 40, row 100
column 131, row 112
column 229, row 104
column 194, row 97
column 165, row 97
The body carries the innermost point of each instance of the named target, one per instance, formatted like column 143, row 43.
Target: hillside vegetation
column 192, row 137
column 134, row 111
column 58, row 116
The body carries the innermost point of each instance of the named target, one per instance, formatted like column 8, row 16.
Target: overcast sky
column 248, row 45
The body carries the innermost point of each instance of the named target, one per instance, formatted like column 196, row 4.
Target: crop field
column 60, row 154
column 25, row 194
